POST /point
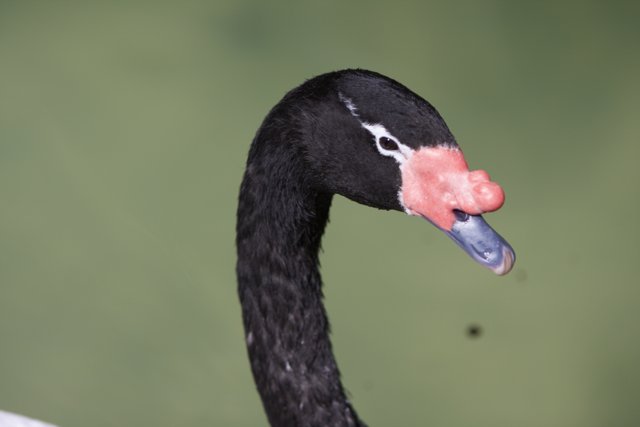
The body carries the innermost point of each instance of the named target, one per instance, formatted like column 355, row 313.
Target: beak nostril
column 461, row 216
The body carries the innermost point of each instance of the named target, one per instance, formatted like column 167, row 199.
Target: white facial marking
column 250, row 338
column 288, row 367
column 349, row 104
column 401, row 155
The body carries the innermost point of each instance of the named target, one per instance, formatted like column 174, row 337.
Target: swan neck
column 280, row 224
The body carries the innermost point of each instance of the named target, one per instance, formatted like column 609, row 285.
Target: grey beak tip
column 508, row 260
column 483, row 244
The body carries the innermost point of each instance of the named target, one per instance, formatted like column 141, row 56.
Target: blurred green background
column 124, row 128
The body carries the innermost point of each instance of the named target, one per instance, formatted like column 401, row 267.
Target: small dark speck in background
column 474, row 331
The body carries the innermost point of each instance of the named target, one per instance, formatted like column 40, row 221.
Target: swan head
column 371, row 139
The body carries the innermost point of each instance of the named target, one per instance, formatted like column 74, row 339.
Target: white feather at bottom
column 8, row 419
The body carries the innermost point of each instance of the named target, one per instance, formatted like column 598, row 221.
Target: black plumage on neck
column 281, row 219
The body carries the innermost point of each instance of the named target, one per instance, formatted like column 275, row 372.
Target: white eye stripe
column 379, row 131
column 402, row 154
column 349, row 104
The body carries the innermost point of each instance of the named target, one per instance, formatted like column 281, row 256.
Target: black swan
column 367, row 137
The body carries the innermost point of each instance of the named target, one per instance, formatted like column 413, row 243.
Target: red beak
column 437, row 185
column 436, row 181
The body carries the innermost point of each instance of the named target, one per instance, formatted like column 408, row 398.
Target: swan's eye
column 388, row 143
